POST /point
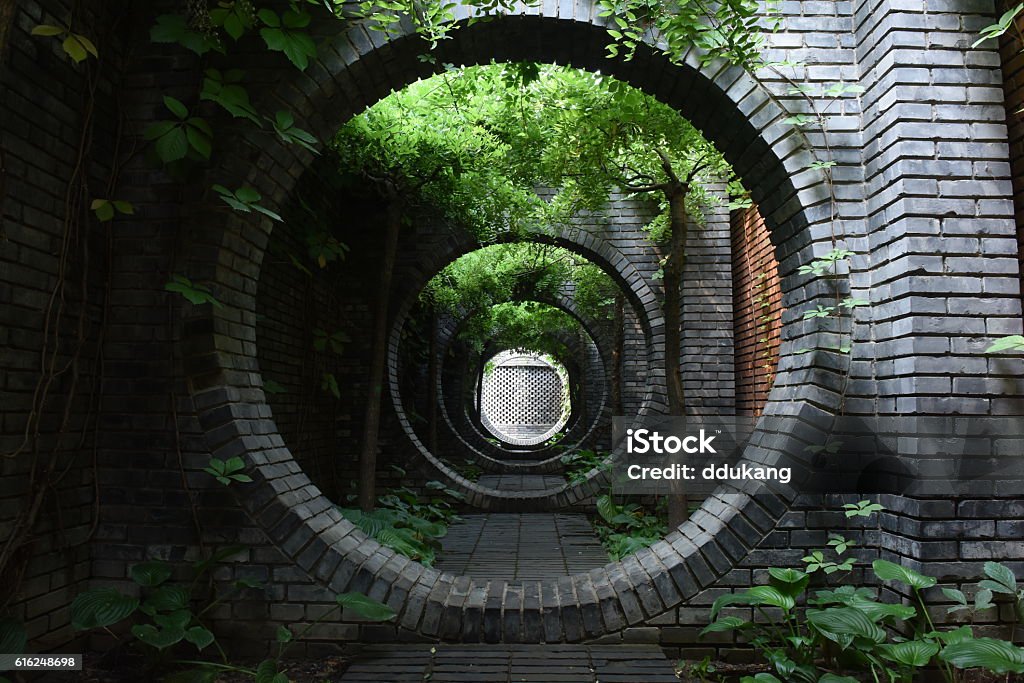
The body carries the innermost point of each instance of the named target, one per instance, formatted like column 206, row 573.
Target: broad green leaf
column 727, row 600
column 150, row 574
column 910, row 652
column 199, row 636
column 284, row 635
column 997, row 656
column 877, row 611
column 607, row 508
column 169, row 598
column 772, row 596
column 13, row 638
column 889, row 571
column 365, row 607
column 845, row 621
column 955, row 636
column 792, row 582
column 266, row 672
column 160, row 638
column 101, row 607
column 729, row 623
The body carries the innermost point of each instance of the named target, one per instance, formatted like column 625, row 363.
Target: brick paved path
column 511, row 664
column 521, row 546
column 522, row 482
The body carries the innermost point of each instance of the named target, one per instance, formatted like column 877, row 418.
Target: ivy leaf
column 176, row 107
column 272, row 387
column 103, row 209
column 224, row 89
column 199, row 141
column 171, row 142
column 48, row 30
column 1014, row 342
column 78, row 48
column 244, row 199
column 284, row 126
column 284, row 635
column 864, row 508
column 329, row 383
column 1000, row 579
column 174, row 28
column 233, row 17
column 288, row 37
column 195, row 293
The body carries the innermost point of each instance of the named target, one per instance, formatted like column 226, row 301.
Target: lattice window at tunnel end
column 524, row 397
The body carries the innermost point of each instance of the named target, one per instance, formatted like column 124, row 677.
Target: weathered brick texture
column 757, row 302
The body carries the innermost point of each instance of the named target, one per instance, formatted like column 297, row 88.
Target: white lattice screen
column 523, row 398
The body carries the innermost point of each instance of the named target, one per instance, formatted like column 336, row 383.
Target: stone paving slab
column 521, row 482
column 510, row 664
column 521, row 546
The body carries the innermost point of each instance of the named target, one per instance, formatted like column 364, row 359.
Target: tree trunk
column 618, row 342
column 432, row 373
column 678, row 504
column 378, row 359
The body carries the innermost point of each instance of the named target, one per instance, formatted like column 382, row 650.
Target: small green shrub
column 821, row 638
column 169, row 614
column 408, row 523
column 627, row 528
column 579, row 463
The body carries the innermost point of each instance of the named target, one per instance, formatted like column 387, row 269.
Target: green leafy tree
column 598, row 137
column 419, row 155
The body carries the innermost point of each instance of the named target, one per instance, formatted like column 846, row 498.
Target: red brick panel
column 756, row 310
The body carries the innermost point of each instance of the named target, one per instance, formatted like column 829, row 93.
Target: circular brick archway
column 357, row 68
column 495, row 458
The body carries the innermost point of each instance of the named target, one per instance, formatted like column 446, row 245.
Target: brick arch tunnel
column 332, row 551
column 921, row 194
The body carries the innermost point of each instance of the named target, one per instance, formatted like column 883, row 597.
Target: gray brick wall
column 921, row 194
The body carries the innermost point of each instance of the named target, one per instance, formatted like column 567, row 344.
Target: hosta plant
column 170, row 620
column 845, row 634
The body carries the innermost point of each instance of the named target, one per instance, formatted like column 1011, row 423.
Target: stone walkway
column 521, row 546
column 511, row 664
column 522, row 482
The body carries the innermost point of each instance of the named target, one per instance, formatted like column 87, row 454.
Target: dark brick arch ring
column 355, row 69
column 495, row 459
